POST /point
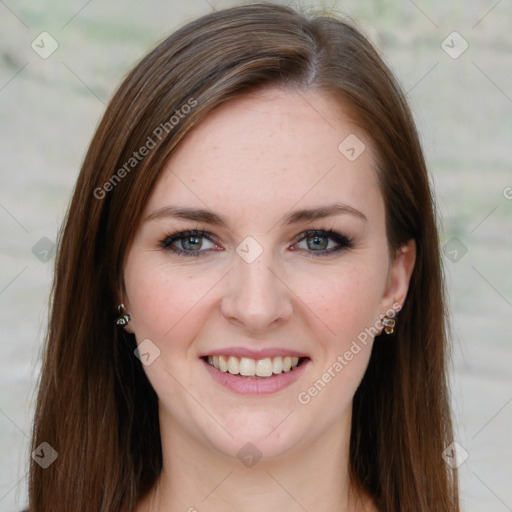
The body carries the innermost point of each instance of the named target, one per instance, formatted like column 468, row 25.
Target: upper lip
column 255, row 354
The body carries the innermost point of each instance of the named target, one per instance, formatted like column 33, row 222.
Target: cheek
column 164, row 301
column 167, row 307
column 348, row 306
column 347, row 301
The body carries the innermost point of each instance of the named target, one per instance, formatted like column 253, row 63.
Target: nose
column 256, row 297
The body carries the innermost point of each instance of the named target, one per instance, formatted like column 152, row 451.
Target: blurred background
column 61, row 61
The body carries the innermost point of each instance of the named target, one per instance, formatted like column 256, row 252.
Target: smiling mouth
column 254, row 368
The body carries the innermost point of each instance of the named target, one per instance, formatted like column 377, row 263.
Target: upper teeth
column 251, row 367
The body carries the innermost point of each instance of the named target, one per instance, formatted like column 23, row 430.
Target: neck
column 197, row 477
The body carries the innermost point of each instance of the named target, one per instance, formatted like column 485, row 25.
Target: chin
column 262, row 435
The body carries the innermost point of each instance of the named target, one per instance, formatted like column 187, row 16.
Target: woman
column 253, row 212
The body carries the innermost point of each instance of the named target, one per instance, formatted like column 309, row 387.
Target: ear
column 399, row 276
column 129, row 326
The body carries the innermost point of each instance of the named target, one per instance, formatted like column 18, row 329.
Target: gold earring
column 389, row 324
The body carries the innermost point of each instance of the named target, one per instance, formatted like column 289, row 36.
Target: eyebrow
column 321, row 212
column 209, row 217
column 197, row 214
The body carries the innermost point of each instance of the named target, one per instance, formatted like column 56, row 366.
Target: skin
column 253, row 161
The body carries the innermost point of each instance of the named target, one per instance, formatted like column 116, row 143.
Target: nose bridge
column 256, row 296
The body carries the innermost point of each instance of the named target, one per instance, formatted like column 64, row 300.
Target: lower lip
column 256, row 386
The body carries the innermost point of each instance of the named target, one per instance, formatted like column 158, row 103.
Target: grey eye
column 317, row 242
column 323, row 242
column 191, row 243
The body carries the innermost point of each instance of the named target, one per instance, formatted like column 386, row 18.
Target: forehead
column 272, row 148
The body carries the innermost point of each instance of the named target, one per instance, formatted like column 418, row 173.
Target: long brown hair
column 95, row 406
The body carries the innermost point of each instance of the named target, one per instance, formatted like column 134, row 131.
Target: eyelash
column 344, row 242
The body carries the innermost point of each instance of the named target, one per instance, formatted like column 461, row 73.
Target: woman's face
column 263, row 245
